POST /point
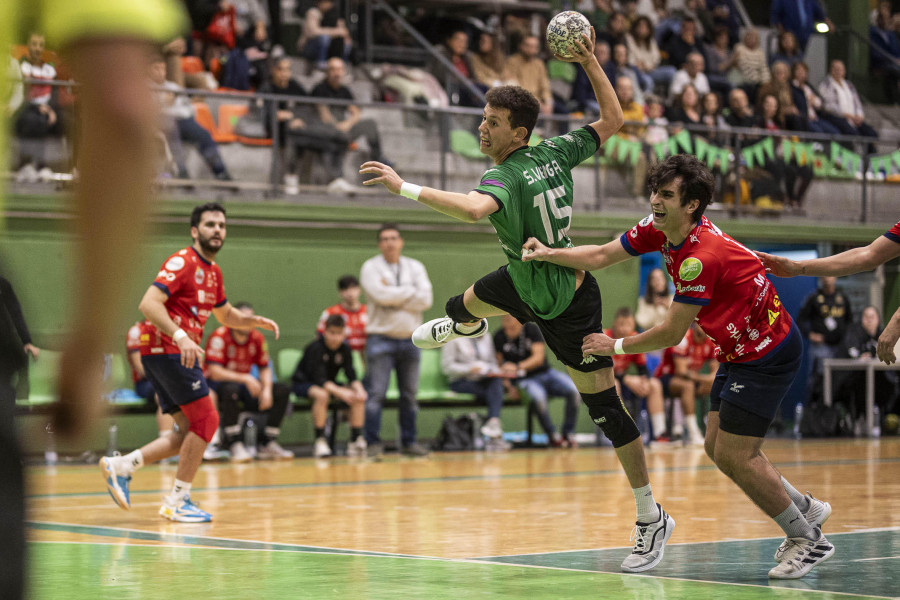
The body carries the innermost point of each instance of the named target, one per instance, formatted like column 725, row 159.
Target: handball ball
column 564, row 30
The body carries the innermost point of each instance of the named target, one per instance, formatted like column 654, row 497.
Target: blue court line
column 463, row 478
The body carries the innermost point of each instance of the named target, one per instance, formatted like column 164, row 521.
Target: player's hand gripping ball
column 564, row 30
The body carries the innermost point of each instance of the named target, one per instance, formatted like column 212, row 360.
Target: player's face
column 623, row 326
column 496, row 135
column 350, row 295
column 35, row 48
column 210, row 232
column 668, row 214
column 334, row 337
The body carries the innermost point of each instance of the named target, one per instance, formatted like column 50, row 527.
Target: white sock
column 693, row 428
column 180, row 489
column 658, row 421
column 131, row 462
column 463, row 328
column 647, row 511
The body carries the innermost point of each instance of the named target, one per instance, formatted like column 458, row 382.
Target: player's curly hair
column 697, row 181
column 523, row 107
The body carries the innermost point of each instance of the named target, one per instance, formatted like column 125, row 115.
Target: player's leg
column 558, row 384
column 407, row 358
column 230, row 396
column 200, row 419
column 269, row 446
column 535, row 391
column 320, row 399
column 379, row 364
column 357, row 445
column 685, row 390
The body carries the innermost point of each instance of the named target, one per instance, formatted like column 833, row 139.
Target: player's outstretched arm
column 669, row 333
column 588, row 258
column 470, row 207
column 852, row 261
column 611, row 117
column 229, row 316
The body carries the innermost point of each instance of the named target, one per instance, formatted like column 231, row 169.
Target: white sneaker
column 816, row 515
column 274, row 451
column 649, row 543
column 437, row 332
column 341, row 186
column 358, row 447
column 801, row 556
column 321, row 449
column 239, row 453
column 27, row 174
column 492, row 428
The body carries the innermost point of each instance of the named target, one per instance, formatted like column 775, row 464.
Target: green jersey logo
column 690, row 269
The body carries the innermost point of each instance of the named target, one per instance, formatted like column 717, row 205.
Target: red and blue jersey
column 696, row 353
column 223, row 349
column 194, row 287
column 622, row 362
column 740, row 311
column 893, row 233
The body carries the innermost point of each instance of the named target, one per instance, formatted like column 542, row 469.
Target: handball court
column 524, row 524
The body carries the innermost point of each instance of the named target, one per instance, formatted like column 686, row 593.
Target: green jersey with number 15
column 535, row 191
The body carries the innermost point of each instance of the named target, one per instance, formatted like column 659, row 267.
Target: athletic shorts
column 563, row 334
column 301, row 390
column 245, row 399
column 747, row 395
column 175, row 384
column 144, row 389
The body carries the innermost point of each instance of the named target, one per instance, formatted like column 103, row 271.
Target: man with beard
column 187, row 289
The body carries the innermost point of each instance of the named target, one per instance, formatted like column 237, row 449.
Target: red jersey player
column 865, row 258
column 185, row 292
column 723, row 286
column 353, row 311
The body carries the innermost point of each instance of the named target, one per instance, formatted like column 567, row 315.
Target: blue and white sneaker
column 116, row 484
column 186, row 512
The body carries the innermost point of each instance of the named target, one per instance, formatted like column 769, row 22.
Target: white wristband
column 618, row 349
column 179, row 335
column 410, row 190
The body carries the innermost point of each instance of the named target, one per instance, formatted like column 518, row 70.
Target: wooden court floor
column 523, row 524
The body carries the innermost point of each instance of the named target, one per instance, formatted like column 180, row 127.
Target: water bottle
column 798, row 416
column 50, row 455
column 250, row 435
column 113, row 440
column 876, row 422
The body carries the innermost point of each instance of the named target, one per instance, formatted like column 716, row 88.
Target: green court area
column 188, row 566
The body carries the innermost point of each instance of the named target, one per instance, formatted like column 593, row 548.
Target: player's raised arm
column 470, row 207
column 229, row 316
column 852, row 261
column 588, row 258
column 611, row 117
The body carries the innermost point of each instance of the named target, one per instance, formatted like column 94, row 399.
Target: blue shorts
column 301, row 390
column 144, row 389
column 747, row 395
column 175, row 384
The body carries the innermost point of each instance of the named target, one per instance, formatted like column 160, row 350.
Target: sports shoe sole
column 172, row 515
column 662, row 550
column 112, row 484
column 803, row 573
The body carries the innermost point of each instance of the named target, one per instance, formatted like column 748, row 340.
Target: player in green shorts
column 529, row 192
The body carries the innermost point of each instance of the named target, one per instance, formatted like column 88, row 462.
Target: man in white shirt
column 398, row 291
column 691, row 72
column 843, row 104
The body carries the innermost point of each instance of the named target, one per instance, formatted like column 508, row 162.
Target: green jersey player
column 528, row 193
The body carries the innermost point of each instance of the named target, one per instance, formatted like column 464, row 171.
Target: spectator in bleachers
column 624, row 69
column 884, row 54
column 719, row 62
column 522, row 355
column 615, row 31
column 750, row 60
column 788, row 51
column 346, row 119
column 40, row 115
column 739, row 112
column 180, row 113
column 16, row 90
column 644, row 52
column 526, row 69
column 638, row 386
column 654, row 304
column 808, row 101
column 231, row 355
column 351, row 310
column 779, row 85
column 319, row 41
column 298, row 125
column 690, row 74
column 724, row 14
column 657, row 124
column 632, row 110
column 630, row 11
column 842, row 103
column 693, row 9
column 488, row 61
column 711, row 116
column 824, row 318
column 794, row 177
column 582, row 92
column 316, row 378
column 680, row 375
column 599, row 16
column 456, row 50
column 685, row 43
column 254, row 42
column 799, row 17
column 686, row 107
column 470, row 366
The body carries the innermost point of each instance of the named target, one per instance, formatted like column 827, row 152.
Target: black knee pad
column 456, row 310
column 608, row 411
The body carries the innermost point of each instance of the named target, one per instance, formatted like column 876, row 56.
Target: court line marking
column 337, row 552
column 462, row 478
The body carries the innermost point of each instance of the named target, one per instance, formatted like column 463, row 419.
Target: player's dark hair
column 334, row 321
column 697, row 182
column 388, row 227
column 624, row 313
column 242, row 305
column 208, row 207
column 523, row 107
column 347, row 281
